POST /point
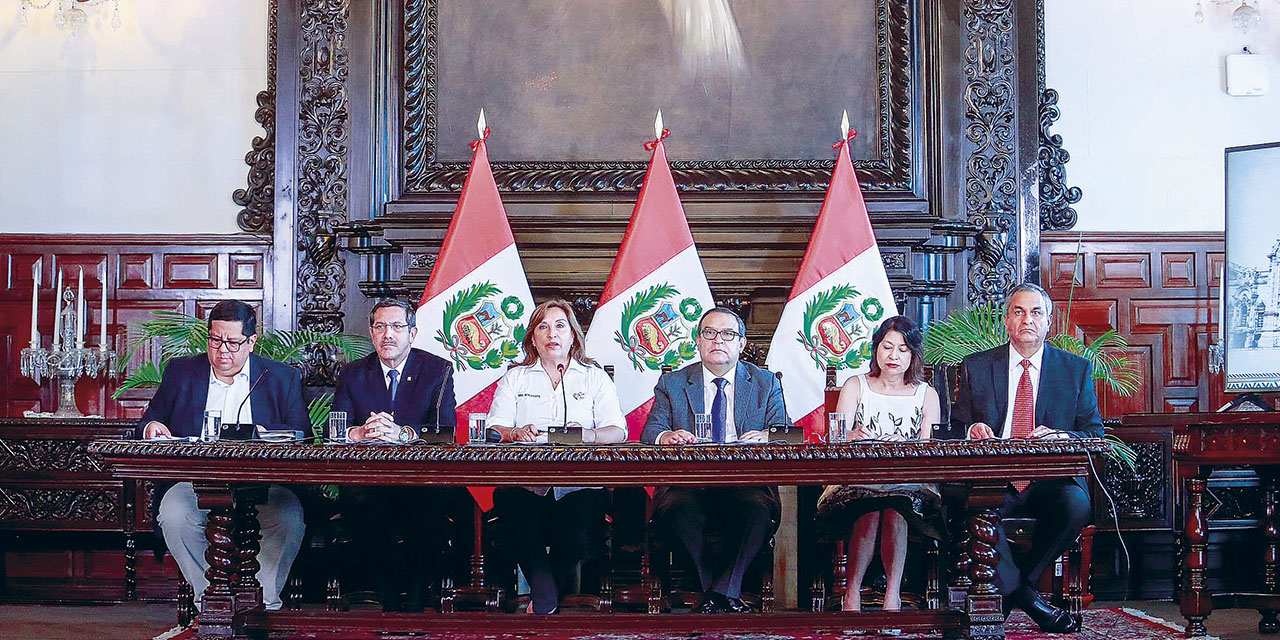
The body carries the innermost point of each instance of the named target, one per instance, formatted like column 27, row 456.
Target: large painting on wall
column 751, row 89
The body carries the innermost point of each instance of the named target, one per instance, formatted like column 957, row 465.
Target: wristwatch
column 407, row 435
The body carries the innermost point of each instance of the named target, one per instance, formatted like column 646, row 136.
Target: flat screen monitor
column 1252, row 279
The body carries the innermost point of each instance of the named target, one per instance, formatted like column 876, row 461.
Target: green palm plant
column 970, row 330
column 183, row 335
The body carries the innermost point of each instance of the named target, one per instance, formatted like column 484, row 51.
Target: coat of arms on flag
column 655, row 331
column 482, row 329
column 837, row 326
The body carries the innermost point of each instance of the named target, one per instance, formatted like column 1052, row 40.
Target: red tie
column 1024, row 411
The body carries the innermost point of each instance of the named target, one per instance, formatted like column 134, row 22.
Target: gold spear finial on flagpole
column 844, row 124
column 481, row 124
column 657, row 125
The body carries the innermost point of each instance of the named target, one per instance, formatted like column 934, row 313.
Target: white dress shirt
column 1015, row 374
column 709, row 396
column 230, row 398
column 525, row 396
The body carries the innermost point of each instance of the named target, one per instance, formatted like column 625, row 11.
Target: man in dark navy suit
column 395, row 395
column 246, row 389
column 1029, row 389
column 743, row 402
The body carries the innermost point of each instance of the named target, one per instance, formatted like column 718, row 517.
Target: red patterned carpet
column 1099, row 624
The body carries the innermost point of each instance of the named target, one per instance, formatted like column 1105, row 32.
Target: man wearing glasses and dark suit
column 395, row 395
column 246, row 389
column 742, row 402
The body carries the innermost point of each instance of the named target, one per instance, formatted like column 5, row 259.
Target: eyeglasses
column 231, row 345
column 394, row 326
column 728, row 335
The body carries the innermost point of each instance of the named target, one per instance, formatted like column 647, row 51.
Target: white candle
column 102, row 279
column 57, row 312
column 80, row 309
column 35, row 304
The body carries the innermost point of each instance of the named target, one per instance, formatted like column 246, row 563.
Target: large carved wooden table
column 227, row 476
column 1202, row 441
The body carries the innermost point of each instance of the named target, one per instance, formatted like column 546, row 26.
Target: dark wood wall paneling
column 1160, row 291
column 187, row 273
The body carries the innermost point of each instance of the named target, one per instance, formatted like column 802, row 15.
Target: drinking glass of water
column 702, row 427
column 476, row 423
column 835, row 428
column 338, row 427
column 211, row 430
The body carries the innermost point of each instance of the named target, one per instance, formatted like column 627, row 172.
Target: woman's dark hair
column 577, row 351
column 915, row 343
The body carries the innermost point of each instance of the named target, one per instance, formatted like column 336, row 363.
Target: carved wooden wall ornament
column 323, row 131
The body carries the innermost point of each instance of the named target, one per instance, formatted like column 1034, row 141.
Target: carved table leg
column 186, row 604
column 1271, row 554
column 218, row 608
column 986, row 619
column 477, row 591
column 248, row 536
column 1196, row 603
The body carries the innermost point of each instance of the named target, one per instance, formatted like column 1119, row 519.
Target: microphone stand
column 564, row 394
column 253, row 386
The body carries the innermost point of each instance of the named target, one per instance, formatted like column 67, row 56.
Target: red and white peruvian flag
column 475, row 309
column 839, row 298
column 655, row 295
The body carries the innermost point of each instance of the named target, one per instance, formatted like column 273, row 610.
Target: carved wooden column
column 1197, row 602
column 312, row 156
column 218, row 606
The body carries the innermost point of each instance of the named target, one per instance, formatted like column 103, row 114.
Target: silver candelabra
column 68, row 363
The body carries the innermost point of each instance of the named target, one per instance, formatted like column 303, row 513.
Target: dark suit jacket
column 757, row 401
column 424, row 395
column 275, row 399
column 1065, row 401
column 757, row 404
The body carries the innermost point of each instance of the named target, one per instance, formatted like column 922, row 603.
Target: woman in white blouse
column 555, row 385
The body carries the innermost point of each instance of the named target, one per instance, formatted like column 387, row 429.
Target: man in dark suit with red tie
column 1030, row 389
column 395, row 395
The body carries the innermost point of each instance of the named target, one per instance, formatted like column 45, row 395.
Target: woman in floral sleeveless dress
column 891, row 403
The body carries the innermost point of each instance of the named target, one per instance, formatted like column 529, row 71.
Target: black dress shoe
column 709, row 604
column 733, row 605
column 1050, row 618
